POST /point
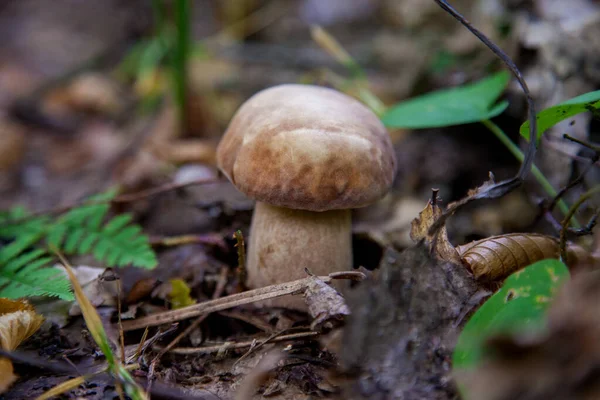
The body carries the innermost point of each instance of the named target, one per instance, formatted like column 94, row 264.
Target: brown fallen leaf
column 438, row 241
column 497, row 257
column 325, row 304
column 18, row 321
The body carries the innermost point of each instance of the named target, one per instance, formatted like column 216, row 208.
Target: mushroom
column 307, row 155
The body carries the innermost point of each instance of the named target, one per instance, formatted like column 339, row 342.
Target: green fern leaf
column 15, row 222
column 25, row 272
column 82, row 230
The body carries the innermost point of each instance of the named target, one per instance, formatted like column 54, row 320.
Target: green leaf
column 24, row 269
column 456, row 106
column 26, row 272
column 520, row 306
column 553, row 115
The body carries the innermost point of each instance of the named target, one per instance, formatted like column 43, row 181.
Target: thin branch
column 590, row 146
column 127, row 198
column 217, row 293
column 243, row 344
column 251, row 296
column 565, row 222
column 526, row 165
column 573, row 183
column 241, row 251
column 124, row 198
column 492, row 189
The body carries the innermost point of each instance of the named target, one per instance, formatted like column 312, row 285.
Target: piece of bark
column 402, row 328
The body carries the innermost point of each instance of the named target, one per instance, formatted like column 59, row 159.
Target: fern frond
column 117, row 242
column 13, row 225
column 25, row 272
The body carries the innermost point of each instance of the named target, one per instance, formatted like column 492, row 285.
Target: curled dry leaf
column 18, row 321
column 438, row 242
column 497, row 257
column 325, row 304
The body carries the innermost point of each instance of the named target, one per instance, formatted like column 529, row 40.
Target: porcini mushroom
column 307, row 155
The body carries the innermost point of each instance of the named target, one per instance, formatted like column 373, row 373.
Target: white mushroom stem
column 284, row 241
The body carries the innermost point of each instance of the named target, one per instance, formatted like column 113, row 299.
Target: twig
column 241, row 251
column 255, row 346
column 565, row 222
column 210, row 239
column 235, row 300
column 124, row 198
column 243, row 344
column 217, row 293
column 127, row 198
column 554, row 145
column 573, row 183
column 589, row 228
column 590, row 146
column 526, row 165
column 120, row 321
column 495, row 190
column 144, row 344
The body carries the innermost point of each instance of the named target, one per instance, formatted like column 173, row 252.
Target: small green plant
column 518, row 307
column 124, row 381
column 25, row 262
column 476, row 102
column 170, row 46
column 553, row 115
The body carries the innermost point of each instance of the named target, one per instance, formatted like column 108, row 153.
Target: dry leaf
column 438, row 242
column 497, row 257
column 18, row 321
column 7, row 376
column 325, row 304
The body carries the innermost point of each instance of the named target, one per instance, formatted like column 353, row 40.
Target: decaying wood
column 400, row 333
column 497, row 257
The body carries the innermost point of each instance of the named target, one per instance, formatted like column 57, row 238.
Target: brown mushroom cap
column 307, row 147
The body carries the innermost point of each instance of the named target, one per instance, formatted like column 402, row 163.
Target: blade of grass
column 94, row 325
column 180, row 56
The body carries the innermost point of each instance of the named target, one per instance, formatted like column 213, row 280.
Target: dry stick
column 124, row 198
column 255, row 347
column 241, row 251
column 170, row 241
column 586, row 230
column 565, row 222
column 554, row 145
column 120, row 321
column 251, row 296
column 127, row 198
column 497, row 189
column 590, row 146
column 241, row 345
column 573, row 183
column 217, row 293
